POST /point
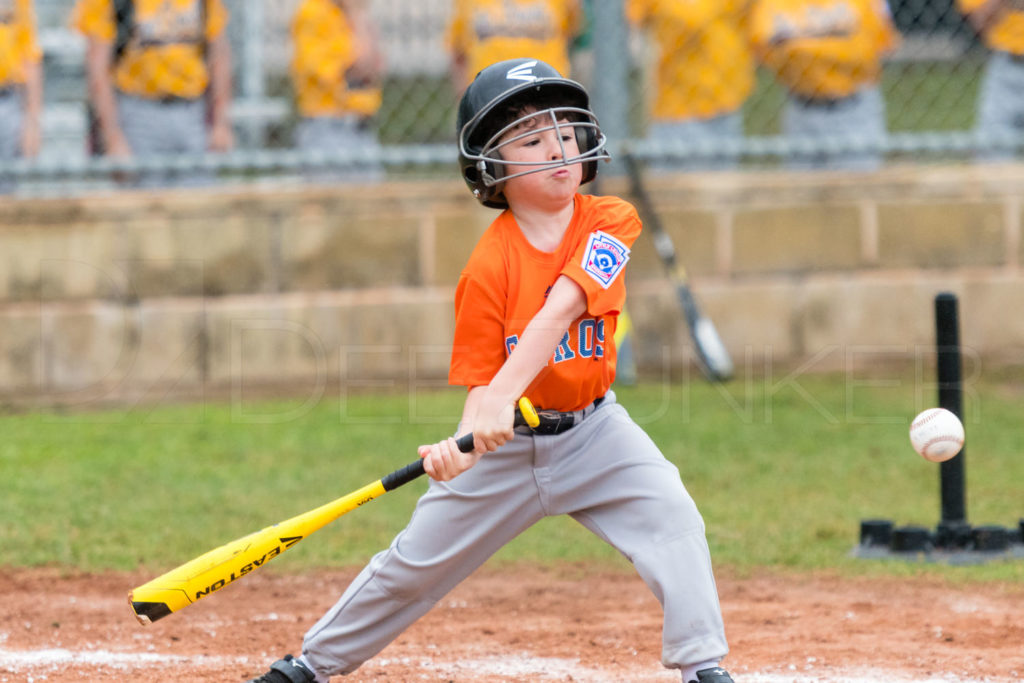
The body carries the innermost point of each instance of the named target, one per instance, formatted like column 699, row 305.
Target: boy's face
column 536, row 139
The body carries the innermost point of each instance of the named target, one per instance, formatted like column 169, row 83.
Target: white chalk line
column 515, row 666
column 26, row 660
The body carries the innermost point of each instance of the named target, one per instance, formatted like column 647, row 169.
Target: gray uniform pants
column 726, row 127
column 859, row 117
column 344, row 134
column 605, row 472
column 1001, row 104
column 156, row 127
column 11, row 115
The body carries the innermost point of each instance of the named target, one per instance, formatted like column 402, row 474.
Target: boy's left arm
column 490, row 410
column 493, row 424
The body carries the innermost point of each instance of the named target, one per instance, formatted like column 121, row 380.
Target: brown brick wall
column 134, row 293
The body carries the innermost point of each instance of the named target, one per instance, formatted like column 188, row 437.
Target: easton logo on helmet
column 522, row 72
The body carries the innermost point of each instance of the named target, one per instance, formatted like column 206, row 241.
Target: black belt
column 174, row 99
column 162, row 99
column 825, row 102
column 556, row 421
column 1014, row 57
column 8, row 90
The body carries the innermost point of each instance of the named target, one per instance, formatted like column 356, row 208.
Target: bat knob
column 529, row 413
column 147, row 612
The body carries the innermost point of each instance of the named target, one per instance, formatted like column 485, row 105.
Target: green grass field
column 782, row 469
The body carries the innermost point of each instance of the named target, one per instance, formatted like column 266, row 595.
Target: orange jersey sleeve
column 506, row 281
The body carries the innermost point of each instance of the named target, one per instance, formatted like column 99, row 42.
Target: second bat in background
column 712, row 355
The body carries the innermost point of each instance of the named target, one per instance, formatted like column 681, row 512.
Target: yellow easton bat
column 221, row 566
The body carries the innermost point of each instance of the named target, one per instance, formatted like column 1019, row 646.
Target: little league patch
column 604, row 258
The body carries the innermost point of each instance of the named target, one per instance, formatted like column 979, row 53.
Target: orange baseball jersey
column 823, row 48
column 504, row 285
column 705, row 62
column 325, row 47
column 1006, row 33
column 165, row 55
column 18, row 43
column 489, row 31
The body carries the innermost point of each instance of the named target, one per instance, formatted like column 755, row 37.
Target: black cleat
column 286, row 670
column 713, row 675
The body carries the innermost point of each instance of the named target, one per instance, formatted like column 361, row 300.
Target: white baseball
column 937, row 434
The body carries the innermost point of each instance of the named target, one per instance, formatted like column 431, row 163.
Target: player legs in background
column 348, row 135
column 1000, row 105
column 724, row 128
column 10, row 131
column 858, row 118
column 157, row 127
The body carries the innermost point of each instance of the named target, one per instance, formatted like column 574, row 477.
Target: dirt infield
column 527, row 624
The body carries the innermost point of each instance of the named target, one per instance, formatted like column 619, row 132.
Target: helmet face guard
column 523, row 90
column 493, row 169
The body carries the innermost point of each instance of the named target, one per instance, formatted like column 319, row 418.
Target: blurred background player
column 483, row 32
column 828, row 56
column 1000, row 23
column 21, row 83
column 159, row 74
column 704, row 70
column 336, row 69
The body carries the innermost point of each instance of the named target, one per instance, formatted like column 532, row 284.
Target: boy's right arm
column 489, row 410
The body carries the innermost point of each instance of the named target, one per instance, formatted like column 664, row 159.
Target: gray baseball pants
column 155, row 127
column 724, row 127
column 1001, row 104
column 344, row 134
column 859, row 117
column 11, row 114
column 605, row 473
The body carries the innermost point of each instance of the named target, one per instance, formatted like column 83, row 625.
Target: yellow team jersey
column 705, row 64
column 823, row 48
column 165, row 55
column 324, row 48
column 489, row 31
column 1006, row 34
column 18, row 44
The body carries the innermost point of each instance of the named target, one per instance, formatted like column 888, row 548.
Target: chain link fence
column 739, row 83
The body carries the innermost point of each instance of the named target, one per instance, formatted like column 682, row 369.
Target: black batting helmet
column 491, row 106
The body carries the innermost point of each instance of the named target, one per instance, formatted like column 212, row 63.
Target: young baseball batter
column 536, row 308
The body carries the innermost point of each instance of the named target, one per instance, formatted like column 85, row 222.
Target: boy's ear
column 497, row 171
column 586, row 138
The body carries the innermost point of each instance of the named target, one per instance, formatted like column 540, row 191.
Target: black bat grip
column 465, row 444
column 415, row 469
column 402, row 476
